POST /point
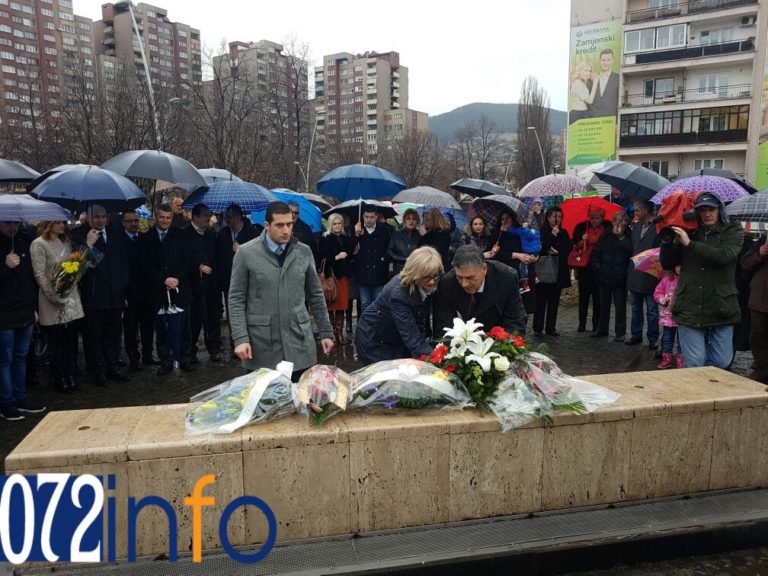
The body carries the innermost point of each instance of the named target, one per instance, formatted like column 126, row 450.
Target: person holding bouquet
column 395, row 324
column 59, row 308
column 17, row 317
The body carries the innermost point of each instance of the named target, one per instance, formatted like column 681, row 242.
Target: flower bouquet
column 321, row 392
column 480, row 360
column 255, row 397
column 407, row 384
column 66, row 275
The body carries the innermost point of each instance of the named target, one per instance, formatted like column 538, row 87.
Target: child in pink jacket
column 664, row 294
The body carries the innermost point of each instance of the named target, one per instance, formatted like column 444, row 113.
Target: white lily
column 481, row 354
column 462, row 333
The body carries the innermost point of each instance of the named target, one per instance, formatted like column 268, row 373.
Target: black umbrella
column 635, row 182
column 11, row 171
column 354, row 208
column 318, row 201
column 169, row 322
column 478, row 188
column 48, row 173
column 82, row 186
column 730, row 175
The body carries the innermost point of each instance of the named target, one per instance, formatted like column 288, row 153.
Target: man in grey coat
column 273, row 277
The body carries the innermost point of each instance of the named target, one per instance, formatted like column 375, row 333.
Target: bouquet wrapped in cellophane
column 321, row 392
column 406, row 384
column 66, row 275
column 255, row 397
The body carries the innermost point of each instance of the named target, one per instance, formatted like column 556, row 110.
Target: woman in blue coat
column 395, row 324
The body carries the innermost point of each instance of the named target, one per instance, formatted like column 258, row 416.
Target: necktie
column 162, row 235
column 279, row 250
column 101, row 236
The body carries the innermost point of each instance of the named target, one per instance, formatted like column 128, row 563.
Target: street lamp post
column 541, row 152
column 150, row 89
column 303, row 174
column 506, row 169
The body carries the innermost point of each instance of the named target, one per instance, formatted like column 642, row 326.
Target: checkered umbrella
column 726, row 189
column 491, row 208
column 750, row 209
column 554, row 185
column 219, row 195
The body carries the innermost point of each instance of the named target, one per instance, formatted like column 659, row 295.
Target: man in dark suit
column 237, row 232
column 138, row 321
column 640, row 284
column 102, row 291
column 205, row 309
column 606, row 101
column 301, row 230
column 371, row 264
column 481, row 289
column 166, row 263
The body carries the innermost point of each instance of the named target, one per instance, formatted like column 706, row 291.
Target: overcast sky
column 456, row 52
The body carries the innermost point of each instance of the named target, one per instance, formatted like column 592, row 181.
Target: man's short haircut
column 606, row 51
column 468, row 256
column 129, row 211
column 198, row 209
column 293, row 204
column 648, row 205
column 370, row 210
column 94, row 208
column 165, row 207
column 235, row 210
column 278, row 207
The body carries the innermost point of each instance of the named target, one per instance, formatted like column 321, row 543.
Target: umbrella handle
column 168, row 293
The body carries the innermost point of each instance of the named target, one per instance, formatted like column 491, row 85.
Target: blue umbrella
column 219, row 195
column 82, row 186
column 309, row 214
column 359, row 181
column 24, row 208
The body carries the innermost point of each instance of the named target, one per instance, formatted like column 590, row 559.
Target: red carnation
column 518, row 342
column 498, row 333
column 423, row 357
column 451, row 368
column 438, row 354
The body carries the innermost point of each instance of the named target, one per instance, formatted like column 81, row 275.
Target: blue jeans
column 711, row 346
column 367, row 295
column 668, row 335
column 14, row 345
column 637, row 316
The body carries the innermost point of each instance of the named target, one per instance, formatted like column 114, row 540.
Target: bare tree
column 476, row 153
column 417, row 157
column 532, row 112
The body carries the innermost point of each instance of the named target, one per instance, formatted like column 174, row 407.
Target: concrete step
column 545, row 543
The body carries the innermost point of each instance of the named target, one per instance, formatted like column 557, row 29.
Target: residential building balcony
column 688, row 52
column 682, row 9
column 710, row 137
column 693, row 95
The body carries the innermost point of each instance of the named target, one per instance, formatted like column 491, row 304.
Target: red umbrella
column 576, row 211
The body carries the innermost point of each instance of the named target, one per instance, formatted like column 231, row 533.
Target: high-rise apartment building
column 670, row 85
column 357, row 96
column 273, row 77
column 172, row 49
column 45, row 52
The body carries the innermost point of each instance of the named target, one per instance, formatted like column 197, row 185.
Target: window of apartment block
column 671, row 36
column 4, row 2
column 65, row 3
column 49, row 38
column 5, row 55
column 5, row 28
column 716, row 84
column 66, row 16
column 49, row 25
column 716, row 36
column 9, row 81
column 717, row 163
column 84, row 26
column 51, row 51
column 5, row 42
column 661, row 167
column 46, row 12
column 638, row 40
column 714, row 119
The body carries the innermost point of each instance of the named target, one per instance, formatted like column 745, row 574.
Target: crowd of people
column 408, row 285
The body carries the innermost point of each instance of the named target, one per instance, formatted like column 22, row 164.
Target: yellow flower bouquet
column 67, row 274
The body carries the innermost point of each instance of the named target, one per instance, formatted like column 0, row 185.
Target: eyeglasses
column 433, row 278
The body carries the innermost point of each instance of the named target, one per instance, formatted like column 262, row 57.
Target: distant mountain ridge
column 503, row 115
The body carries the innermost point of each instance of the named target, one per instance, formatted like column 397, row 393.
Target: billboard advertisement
column 595, row 61
column 761, row 172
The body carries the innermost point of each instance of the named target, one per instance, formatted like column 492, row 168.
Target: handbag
column 579, row 257
column 330, row 284
column 548, row 268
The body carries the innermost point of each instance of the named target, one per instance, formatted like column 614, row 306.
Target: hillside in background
column 503, row 115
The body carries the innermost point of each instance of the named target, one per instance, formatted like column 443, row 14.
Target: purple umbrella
column 726, row 189
column 554, row 185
